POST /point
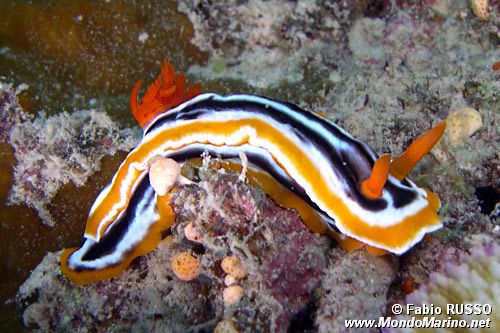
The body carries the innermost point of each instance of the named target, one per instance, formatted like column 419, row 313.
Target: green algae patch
column 218, row 66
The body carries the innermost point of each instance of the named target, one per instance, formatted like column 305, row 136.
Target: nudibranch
column 300, row 158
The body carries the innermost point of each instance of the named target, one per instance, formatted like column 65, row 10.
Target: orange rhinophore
column 403, row 164
column 167, row 91
column 372, row 187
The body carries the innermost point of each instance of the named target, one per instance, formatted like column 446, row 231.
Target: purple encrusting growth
column 283, row 259
column 293, row 272
column 52, row 151
column 11, row 111
column 235, row 219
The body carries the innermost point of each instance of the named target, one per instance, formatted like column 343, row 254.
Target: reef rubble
column 235, row 219
column 383, row 70
column 52, row 151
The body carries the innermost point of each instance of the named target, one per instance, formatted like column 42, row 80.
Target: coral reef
column 148, row 298
column 474, row 280
column 355, row 287
column 48, row 164
column 52, row 151
column 251, row 40
column 235, row 219
column 366, row 40
column 384, row 70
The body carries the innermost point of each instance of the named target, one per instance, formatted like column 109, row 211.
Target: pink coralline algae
column 294, row 272
column 283, row 263
column 52, row 151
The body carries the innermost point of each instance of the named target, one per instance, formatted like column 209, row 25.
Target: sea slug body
column 328, row 175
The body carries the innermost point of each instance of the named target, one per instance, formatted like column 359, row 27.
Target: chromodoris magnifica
column 337, row 183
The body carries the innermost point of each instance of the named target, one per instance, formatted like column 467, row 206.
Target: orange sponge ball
column 232, row 295
column 233, row 267
column 185, row 266
column 193, row 234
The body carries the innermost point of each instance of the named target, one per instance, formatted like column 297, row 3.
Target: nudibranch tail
column 372, row 187
column 137, row 233
column 350, row 244
column 111, row 202
column 422, row 145
column 167, row 91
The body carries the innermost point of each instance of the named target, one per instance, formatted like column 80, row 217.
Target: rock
column 365, row 39
column 354, row 288
column 283, row 261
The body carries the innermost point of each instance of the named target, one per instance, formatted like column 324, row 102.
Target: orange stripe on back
column 395, row 237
